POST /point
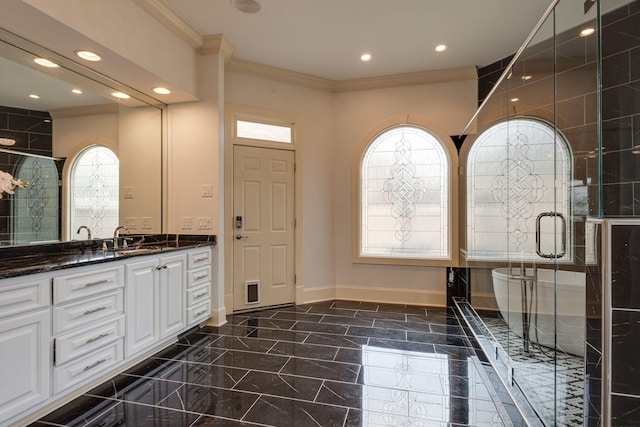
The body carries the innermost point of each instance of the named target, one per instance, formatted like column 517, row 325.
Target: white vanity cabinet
column 155, row 301
column 25, row 349
column 88, row 323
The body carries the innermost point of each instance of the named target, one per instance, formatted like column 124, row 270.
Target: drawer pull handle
column 200, row 295
column 94, row 339
column 93, row 365
column 200, row 259
column 202, row 276
column 96, row 283
column 95, row 310
column 200, row 313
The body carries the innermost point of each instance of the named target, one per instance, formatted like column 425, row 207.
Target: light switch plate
column 130, row 222
column 205, row 223
column 146, row 223
column 186, row 223
column 207, row 190
column 128, row 192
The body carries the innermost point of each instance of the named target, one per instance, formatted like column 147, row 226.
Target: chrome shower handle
column 551, row 255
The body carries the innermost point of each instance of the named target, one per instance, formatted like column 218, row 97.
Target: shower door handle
column 563, row 250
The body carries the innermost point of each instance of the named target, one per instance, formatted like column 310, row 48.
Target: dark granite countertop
column 40, row 258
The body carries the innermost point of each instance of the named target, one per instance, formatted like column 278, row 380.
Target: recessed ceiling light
column 365, row 57
column 161, row 90
column 7, row 142
column 441, row 48
column 45, row 63
column 515, row 99
column 527, row 77
column 76, row 91
column 120, row 95
column 587, row 32
column 87, row 55
column 34, row 96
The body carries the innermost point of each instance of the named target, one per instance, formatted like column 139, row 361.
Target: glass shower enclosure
column 531, row 176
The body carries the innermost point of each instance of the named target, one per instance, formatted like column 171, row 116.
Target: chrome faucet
column 86, row 228
column 116, row 234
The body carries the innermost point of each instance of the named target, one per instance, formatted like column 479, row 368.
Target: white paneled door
column 263, row 206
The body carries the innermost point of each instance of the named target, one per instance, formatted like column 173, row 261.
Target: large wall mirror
column 88, row 158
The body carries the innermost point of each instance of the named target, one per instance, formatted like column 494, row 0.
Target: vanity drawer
column 198, row 295
column 82, row 369
column 199, row 276
column 199, row 312
column 72, row 315
column 72, row 345
column 198, row 258
column 25, row 296
column 92, row 282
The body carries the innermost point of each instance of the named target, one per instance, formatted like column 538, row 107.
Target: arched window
column 517, row 169
column 93, row 196
column 405, row 197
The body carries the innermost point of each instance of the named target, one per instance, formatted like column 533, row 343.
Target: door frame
column 231, row 114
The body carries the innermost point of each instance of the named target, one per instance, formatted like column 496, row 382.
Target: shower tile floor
column 334, row 363
column 558, row 390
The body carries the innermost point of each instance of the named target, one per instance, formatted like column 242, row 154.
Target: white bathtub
column 570, row 307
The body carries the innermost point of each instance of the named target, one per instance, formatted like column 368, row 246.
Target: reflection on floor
column 552, row 380
column 334, row 363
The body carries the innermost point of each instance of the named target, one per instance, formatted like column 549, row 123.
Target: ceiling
column 325, row 38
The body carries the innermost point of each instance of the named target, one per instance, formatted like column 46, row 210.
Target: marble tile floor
column 552, row 380
column 333, row 363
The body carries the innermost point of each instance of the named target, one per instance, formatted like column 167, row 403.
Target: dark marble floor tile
column 212, row 375
column 269, row 323
column 354, row 418
column 322, row 369
column 210, row 400
column 237, row 330
column 288, row 412
column 374, row 315
column 236, row 319
column 360, row 331
column 279, row 335
column 311, row 351
column 344, row 312
column 401, row 308
column 297, row 317
column 446, row 329
column 341, row 394
column 402, row 345
column 130, row 414
column 208, row 420
column 154, row 368
column 428, row 337
column 83, row 411
column 197, row 339
column 455, row 352
column 355, row 305
column 244, row 344
column 337, row 340
column 320, row 327
column 349, row 355
column 344, row 320
column 149, row 391
column 250, row 360
column 280, row 385
column 401, row 325
column 195, row 354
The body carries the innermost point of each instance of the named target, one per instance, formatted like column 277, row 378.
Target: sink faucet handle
column 86, row 228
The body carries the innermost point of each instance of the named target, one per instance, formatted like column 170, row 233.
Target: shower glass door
column 531, row 182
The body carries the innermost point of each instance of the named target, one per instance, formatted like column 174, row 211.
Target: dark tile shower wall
column 576, row 115
column 32, row 132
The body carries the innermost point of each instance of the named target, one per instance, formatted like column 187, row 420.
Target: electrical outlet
column 130, row 222
column 204, row 223
column 207, row 190
column 146, row 223
column 186, row 223
column 128, row 192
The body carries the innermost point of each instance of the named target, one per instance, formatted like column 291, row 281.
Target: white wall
column 448, row 106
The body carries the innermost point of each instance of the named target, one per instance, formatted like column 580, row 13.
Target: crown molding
column 173, row 21
column 280, row 74
column 217, row 44
column 408, row 79
column 89, row 110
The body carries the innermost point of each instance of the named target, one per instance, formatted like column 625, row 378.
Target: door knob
column 240, row 237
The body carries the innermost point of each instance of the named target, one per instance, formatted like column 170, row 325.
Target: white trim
column 377, row 295
column 172, row 21
column 218, row 317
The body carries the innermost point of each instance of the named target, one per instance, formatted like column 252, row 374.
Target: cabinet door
column 172, row 294
column 26, row 361
column 141, row 300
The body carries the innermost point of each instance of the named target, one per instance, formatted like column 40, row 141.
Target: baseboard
column 218, row 317
column 483, row 301
column 379, row 295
